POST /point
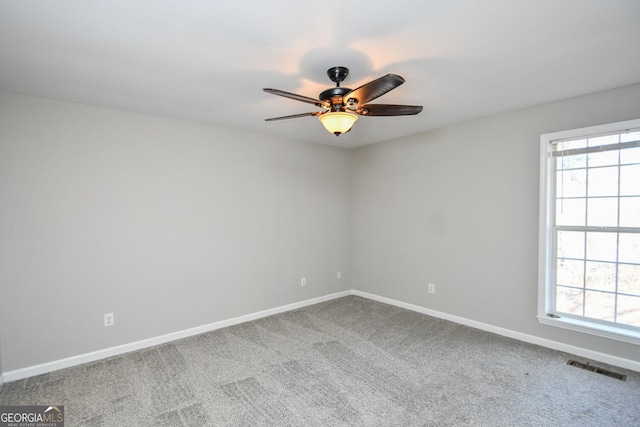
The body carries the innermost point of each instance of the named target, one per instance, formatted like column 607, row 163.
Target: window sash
column 558, row 151
column 553, row 285
column 558, row 198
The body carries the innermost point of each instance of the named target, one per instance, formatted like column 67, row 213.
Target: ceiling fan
column 343, row 105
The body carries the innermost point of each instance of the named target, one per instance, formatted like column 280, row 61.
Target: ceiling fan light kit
column 338, row 122
column 342, row 105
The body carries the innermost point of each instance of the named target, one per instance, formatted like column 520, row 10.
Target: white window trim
column 546, row 242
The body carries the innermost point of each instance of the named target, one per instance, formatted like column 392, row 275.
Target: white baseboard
column 555, row 345
column 150, row 342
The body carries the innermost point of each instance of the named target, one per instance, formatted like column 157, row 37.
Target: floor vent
column 597, row 370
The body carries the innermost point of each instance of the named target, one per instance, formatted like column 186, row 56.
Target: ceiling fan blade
column 388, row 110
column 374, row 89
column 316, row 102
column 294, row 116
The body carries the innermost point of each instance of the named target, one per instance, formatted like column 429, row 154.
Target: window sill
column 618, row 334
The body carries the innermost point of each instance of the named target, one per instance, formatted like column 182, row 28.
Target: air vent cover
column 597, row 370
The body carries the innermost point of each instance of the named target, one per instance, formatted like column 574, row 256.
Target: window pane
column 601, row 246
column 603, row 181
column 630, row 136
column 570, row 273
column 604, row 140
column 629, row 279
column 571, row 211
column 571, row 183
column 602, row 212
column 630, row 180
column 630, row 155
column 629, row 310
column 571, row 244
column 629, row 249
column 604, row 158
column 572, row 162
column 569, row 300
column 600, row 305
column 601, row 276
column 630, row 212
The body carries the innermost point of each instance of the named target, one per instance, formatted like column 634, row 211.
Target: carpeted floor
column 349, row 361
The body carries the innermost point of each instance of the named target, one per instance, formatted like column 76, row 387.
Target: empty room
column 416, row 213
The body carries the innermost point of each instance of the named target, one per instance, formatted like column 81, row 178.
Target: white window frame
column 546, row 245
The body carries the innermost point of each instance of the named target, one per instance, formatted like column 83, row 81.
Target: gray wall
column 458, row 207
column 172, row 225
column 169, row 225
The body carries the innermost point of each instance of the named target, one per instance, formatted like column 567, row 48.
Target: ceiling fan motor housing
column 334, row 91
column 334, row 95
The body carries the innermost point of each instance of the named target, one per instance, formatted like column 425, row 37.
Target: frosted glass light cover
column 338, row 122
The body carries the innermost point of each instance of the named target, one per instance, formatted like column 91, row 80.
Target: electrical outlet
column 432, row 288
column 339, row 275
column 303, row 281
column 109, row 319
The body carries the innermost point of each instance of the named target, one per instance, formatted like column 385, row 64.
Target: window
column 590, row 230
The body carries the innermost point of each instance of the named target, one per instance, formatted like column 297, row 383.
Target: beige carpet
column 350, row 361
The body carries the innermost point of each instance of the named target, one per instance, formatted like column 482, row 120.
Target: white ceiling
column 207, row 61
